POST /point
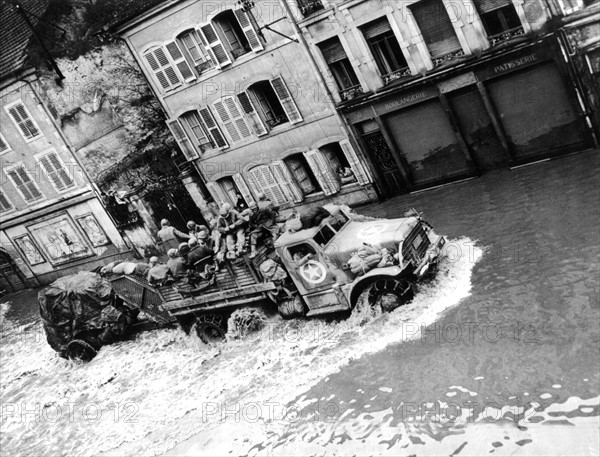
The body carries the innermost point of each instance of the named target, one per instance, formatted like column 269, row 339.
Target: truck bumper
column 431, row 257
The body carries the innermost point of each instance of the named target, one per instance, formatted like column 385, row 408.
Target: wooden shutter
column 485, row 6
column 237, row 116
column 266, row 183
column 288, row 183
column 179, row 60
column 376, row 28
column 362, row 176
column 213, row 129
column 227, row 121
column 24, row 183
column 182, row 139
column 436, row 27
column 322, row 171
column 3, row 144
column 56, row 171
column 215, row 46
column 287, row 102
column 23, row 120
column 4, row 203
column 216, row 192
column 243, row 188
column 249, row 30
column 163, row 69
column 251, row 114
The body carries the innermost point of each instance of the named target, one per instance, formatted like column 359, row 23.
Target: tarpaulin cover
column 82, row 307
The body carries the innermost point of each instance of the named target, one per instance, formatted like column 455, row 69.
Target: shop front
column 499, row 111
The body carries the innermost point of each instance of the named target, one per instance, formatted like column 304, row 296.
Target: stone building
column 247, row 105
column 441, row 90
column 52, row 222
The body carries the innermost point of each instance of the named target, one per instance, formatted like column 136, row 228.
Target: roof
column 15, row 33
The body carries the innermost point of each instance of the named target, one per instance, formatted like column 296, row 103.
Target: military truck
column 314, row 277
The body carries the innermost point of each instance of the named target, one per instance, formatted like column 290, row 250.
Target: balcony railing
column 274, row 122
column 238, row 52
column 394, row 75
column 446, row 57
column 308, row 7
column 204, row 66
column 506, row 35
column 351, row 92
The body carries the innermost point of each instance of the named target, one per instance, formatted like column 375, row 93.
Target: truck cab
column 324, row 279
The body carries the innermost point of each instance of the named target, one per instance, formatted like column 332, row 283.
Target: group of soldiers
column 227, row 237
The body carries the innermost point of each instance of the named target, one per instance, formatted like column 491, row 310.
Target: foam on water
column 145, row 396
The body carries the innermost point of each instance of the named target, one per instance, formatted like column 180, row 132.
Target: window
column 232, row 119
column 324, row 236
column 230, row 189
column 265, row 182
column 435, row 25
column 308, row 7
column 199, row 134
column 302, row 173
column 340, row 66
column 23, row 120
column 231, row 34
column 163, row 69
column 5, row 204
column 4, row 146
column 22, row 181
column 345, row 163
column 56, row 171
column 269, row 104
column 193, row 47
column 498, row 16
column 385, row 49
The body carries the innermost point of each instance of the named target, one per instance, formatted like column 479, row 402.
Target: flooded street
column 499, row 354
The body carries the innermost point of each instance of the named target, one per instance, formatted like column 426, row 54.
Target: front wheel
column 210, row 328
column 389, row 294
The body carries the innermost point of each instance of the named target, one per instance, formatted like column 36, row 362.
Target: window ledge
column 317, row 16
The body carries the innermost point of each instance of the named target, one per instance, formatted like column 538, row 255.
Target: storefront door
column 382, row 160
column 477, row 128
column 428, row 143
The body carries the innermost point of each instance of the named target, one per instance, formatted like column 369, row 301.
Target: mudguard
column 354, row 289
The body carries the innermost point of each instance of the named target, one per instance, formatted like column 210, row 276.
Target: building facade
column 440, row 90
column 247, row 105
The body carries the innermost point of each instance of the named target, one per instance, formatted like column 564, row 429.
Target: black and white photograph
column 306, row 228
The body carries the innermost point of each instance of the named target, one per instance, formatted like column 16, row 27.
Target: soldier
column 170, row 236
column 177, row 264
column 262, row 222
column 231, row 224
column 158, row 273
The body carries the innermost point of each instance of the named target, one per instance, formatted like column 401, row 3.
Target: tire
column 80, row 350
column 389, row 293
column 210, row 328
column 291, row 307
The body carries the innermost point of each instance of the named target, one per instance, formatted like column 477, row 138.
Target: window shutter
column 436, row 27
column 162, row 68
column 322, row 171
column 25, row 185
column 376, row 28
column 216, row 192
column 249, row 30
column 21, row 117
column 56, row 172
column 3, row 144
column 4, row 203
column 286, row 100
column 243, row 188
column 362, row 176
column 266, row 183
column 215, row 47
column 251, row 114
column 227, row 121
column 283, row 175
column 237, row 116
column 485, row 6
column 182, row 139
column 179, row 60
column 213, row 128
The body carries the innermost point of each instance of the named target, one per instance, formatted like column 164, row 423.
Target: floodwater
column 499, row 355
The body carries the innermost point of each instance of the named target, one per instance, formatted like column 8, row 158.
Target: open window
column 196, row 131
column 499, row 17
column 324, row 236
column 299, row 252
column 435, row 25
column 230, row 35
column 194, row 49
column 302, row 173
column 340, row 67
column 385, row 49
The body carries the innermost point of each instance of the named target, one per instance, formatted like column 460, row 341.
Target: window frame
column 11, row 204
column 499, row 14
column 45, row 154
column 8, row 147
column 7, row 171
column 7, row 108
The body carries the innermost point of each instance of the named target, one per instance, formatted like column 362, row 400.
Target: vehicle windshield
column 324, row 235
column 338, row 220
